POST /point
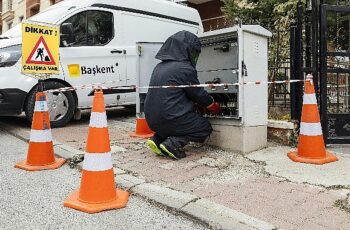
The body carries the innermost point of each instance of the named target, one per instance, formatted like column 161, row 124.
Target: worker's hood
column 180, row 47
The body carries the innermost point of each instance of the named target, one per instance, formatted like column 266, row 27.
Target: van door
column 91, row 56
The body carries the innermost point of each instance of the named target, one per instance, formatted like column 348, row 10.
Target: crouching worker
column 170, row 112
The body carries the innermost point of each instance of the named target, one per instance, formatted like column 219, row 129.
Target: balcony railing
column 216, row 23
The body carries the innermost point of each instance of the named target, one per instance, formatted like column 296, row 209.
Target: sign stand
column 40, row 85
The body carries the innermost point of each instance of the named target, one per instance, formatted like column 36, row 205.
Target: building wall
column 21, row 9
column 211, row 14
column 32, row 7
column 35, row 6
column 0, row 17
column 46, row 3
column 20, row 12
column 209, row 9
column 13, row 13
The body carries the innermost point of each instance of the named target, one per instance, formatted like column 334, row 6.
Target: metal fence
column 279, row 69
column 279, row 94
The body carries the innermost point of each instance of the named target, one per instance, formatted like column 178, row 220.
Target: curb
column 209, row 213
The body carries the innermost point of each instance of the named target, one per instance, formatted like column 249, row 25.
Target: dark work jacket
column 176, row 68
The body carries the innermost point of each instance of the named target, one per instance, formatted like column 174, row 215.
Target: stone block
column 231, row 135
column 280, row 131
column 166, row 196
column 221, row 217
column 127, row 181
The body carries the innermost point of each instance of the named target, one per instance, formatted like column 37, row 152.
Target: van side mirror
column 67, row 34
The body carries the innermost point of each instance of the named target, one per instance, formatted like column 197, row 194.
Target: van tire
column 71, row 105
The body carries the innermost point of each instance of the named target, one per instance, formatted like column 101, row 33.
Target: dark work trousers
column 190, row 127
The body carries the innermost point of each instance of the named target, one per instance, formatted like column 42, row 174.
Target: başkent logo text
column 96, row 70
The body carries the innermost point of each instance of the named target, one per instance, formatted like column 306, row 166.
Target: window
column 92, row 28
column 100, row 27
column 79, row 23
column 33, row 11
column 9, row 5
column 9, row 25
column 20, row 19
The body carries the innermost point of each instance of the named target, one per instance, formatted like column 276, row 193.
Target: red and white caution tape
column 88, row 86
column 210, row 85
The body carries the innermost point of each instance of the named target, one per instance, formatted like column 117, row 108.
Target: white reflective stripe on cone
column 40, row 136
column 309, row 99
column 40, row 106
column 97, row 162
column 98, row 120
column 310, row 129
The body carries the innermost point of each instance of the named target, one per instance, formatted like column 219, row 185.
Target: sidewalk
column 265, row 184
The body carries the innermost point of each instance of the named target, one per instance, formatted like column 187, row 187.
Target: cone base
column 144, row 136
column 72, row 201
column 23, row 165
column 318, row 161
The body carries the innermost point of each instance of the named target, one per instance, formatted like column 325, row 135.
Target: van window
column 92, row 28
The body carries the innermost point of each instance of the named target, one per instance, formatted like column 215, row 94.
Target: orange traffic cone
column 40, row 154
column 142, row 129
column 97, row 188
column 311, row 147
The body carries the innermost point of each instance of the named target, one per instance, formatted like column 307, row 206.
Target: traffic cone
column 97, row 188
column 142, row 129
column 311, row 147
column 40, row 154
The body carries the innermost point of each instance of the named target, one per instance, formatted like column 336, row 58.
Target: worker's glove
column 214, row 108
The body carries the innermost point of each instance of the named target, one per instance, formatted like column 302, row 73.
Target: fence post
column 296, row 64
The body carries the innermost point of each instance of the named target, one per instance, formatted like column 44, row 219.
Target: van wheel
column 61, row 105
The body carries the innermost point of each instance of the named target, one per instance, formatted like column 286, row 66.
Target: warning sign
column 41, row 54
column 40, row 48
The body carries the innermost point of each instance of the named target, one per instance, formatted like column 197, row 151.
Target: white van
column 98, row 44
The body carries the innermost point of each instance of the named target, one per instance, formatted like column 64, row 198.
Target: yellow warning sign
column 40, row 48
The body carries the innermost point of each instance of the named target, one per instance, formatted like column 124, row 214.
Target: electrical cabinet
column 235, row 55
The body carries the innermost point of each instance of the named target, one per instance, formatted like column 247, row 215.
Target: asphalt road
column 34, row 200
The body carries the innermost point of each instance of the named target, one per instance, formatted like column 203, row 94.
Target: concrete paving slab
column 165, row 196
column 278, row 164
column 221, row 217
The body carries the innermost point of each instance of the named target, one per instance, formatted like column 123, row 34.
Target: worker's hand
column 214, row 108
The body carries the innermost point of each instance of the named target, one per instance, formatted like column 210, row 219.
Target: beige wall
column 19, row 11
column 12, row 16
column 36, row 6
column 44, row 4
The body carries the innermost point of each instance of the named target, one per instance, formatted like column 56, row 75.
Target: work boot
column 173, row 151
column 154, row 142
